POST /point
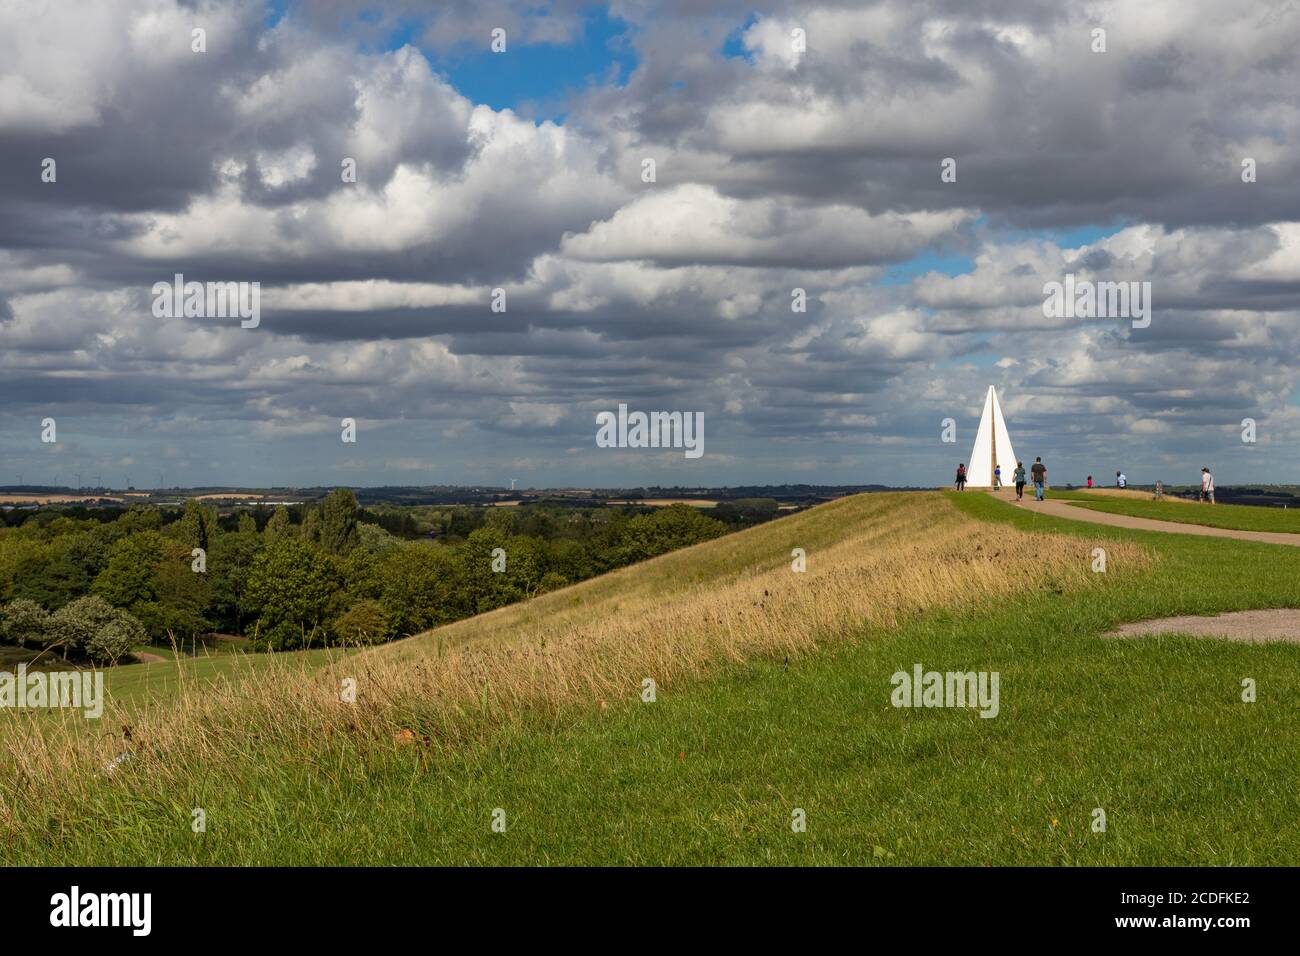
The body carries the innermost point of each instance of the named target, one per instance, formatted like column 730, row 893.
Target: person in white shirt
column 1207, row 486
column 1121, row 479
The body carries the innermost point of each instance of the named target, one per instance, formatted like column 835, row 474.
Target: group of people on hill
column 1038, row 470
column 1121, row 480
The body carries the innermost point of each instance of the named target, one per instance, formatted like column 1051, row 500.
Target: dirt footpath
column 1250, row 627
column 1066, row 509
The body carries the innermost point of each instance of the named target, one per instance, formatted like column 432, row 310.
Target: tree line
column 90, row 588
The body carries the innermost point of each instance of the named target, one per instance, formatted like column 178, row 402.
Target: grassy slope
column 1153, row 731
column 726, row 560
column 1239, row 517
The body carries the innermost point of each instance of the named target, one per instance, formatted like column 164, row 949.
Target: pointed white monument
column 992, row 447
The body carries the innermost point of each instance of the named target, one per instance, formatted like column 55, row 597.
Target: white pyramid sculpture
column 992, row 447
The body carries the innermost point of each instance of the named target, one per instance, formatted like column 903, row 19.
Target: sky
column 795, row 146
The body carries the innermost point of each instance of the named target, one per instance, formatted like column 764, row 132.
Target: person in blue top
column 1020, row 480
column 997, row 477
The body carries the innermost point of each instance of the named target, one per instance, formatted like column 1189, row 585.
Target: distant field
column 664, row 502
column 231, row 496
column 51, row 499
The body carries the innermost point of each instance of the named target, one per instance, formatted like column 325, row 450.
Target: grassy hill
column 772, row 696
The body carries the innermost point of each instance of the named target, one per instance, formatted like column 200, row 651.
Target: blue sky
column 541, row 76
column 535, row 77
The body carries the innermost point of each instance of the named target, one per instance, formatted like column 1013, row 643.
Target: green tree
column 500, row 519
column 664, row 530
column 183, row 596
column 46, row 568
column 64, row 577
column 421, row 588
column 74, row 625
column 526, row 564
column 24, row 622
column 279, row 525
column 289, row 588
column 198, row 524
column 20, row 553
column 310, row 529
column 230, row 561
column 373, row 538
column 363, row 623
column 480, row 558
column 116, row 638
column 152, row 577
column 139, row 518
column 338, row 524
column 128, row 578
column 552, row 581
column 570, row 559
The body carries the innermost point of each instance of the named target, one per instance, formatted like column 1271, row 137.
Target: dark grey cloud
column 774, row 171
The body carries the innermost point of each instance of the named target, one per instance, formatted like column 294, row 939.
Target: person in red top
column 1090, row 481
column 961, row 476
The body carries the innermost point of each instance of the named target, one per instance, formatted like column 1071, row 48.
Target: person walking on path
column 1207, row 486
column 1020, row 480
column 997, row 477
column 1039, row 471
column 961, row 476
column 1121, row 479
column 1090, row 481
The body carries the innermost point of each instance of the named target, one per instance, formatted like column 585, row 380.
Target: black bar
column 370, row 905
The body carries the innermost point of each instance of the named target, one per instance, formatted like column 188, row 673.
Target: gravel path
column 1250, row 627
column 1066, row 509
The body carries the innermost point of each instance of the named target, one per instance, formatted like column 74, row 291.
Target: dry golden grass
column 872, row 560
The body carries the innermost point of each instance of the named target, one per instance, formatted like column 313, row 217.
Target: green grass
column 1237, row 517
column 1153, row 731
column 157, row 680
